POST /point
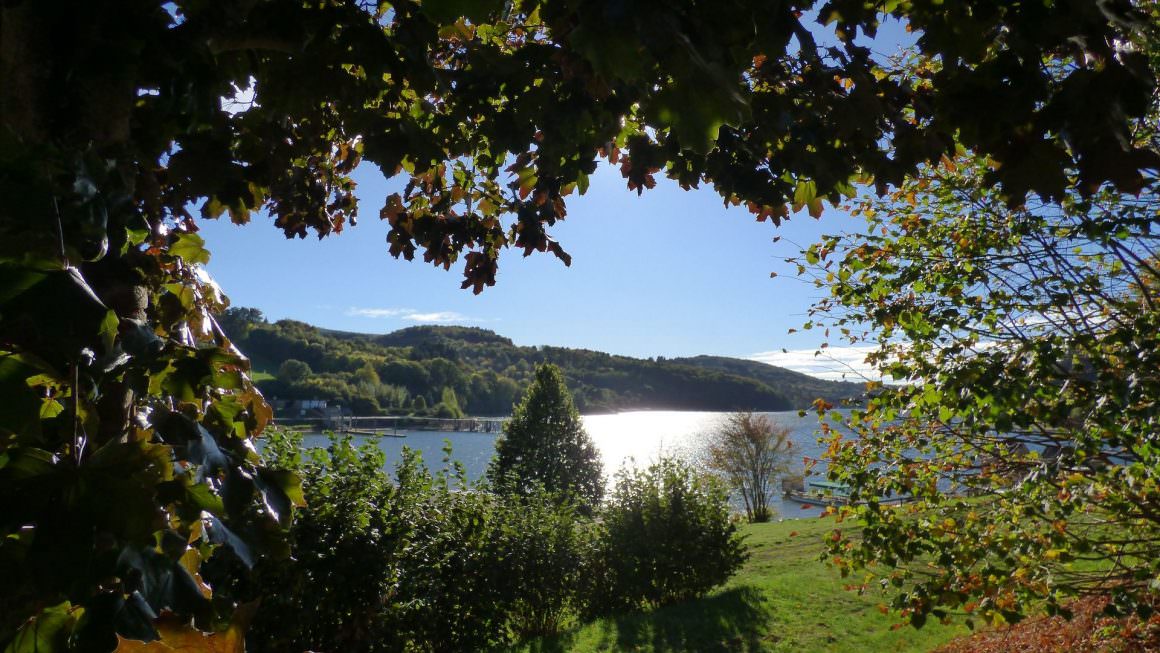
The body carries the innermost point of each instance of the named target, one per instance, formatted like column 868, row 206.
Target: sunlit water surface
column 633, row 438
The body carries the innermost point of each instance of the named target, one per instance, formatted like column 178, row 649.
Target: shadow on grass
column 733, row 620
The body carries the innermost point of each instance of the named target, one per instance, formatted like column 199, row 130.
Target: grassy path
column 783, row 599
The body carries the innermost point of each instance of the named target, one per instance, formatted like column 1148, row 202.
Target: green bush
column 414, row 562
column 547, row 546
column 348, row 551
column 666, row 536
column 422, row 561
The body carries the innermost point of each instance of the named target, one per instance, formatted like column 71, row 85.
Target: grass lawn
column 259, row 375
column 783, row 599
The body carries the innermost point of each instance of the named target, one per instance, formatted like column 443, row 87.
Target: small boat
column 829, row 493
column 822, row 493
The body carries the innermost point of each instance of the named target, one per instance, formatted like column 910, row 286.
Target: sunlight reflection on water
column 637, row 437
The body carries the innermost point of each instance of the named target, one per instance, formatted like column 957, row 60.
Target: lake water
column 632, row 438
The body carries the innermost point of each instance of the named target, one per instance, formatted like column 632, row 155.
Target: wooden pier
column 394, row 426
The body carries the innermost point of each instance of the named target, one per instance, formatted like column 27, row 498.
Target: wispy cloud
column 411, row 315
column 832, row 363
column 438, row 317
column 378, row 312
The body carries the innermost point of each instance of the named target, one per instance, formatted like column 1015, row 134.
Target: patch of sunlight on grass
column 783, row 600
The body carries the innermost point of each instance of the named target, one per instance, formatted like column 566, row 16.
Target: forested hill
column 451, row 371
column 800, row 389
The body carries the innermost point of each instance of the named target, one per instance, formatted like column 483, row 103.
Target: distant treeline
column 450, row 371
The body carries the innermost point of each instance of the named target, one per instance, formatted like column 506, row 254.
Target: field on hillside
column 783, row 599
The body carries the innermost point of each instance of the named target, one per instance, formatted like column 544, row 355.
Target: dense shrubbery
column 424, row 561
column 666, row 535
column 347, row 548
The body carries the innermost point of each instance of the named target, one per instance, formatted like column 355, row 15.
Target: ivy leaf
column 56, row 314
column 190, row 247
column 164, row 582
column 189, row 497
column 108, row 329
column 26, row 462
column 179, row 636
column 47, row 632
column 281, row 491
column 20, row 410
column 219, row 533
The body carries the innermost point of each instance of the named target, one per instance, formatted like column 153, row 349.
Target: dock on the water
column 395, row 426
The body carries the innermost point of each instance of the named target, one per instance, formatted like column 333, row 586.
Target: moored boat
column 829, row 493
column 825, row 493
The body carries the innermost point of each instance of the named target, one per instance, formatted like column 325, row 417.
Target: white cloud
column 410, row 315
column 438, row 317
column 378, row 312
column 832, row 363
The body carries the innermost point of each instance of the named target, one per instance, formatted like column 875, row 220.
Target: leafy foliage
column 1089, row 629
column 128, row 413
column 346, row 549
column 751, row 453
column 667, row 536
column 544, row 445
column 1027, row 433
column 417, row 561
column 125, row 460
column 411, row 562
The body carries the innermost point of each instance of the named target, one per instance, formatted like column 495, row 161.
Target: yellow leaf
column 191, row 560
column 181, row 637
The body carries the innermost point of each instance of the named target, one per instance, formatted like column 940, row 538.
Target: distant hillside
column 451, row 371
column 801, row 389
column 418, row 335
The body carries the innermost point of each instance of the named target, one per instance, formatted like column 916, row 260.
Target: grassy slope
column 782, row 600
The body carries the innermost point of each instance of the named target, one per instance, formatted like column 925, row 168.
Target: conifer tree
column 544, row 444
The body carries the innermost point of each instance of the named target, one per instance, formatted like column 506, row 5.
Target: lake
column 623, row 438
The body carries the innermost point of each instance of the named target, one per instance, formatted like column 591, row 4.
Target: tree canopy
column 1021, row 336
column 544, row 446
column 493, row 109
column 1026, row 426
column 125, row 447
column 750, row 452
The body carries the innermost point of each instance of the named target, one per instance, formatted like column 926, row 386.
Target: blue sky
column 669, row 273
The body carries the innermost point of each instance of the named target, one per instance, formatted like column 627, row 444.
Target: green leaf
column 28, row 462
column 108, row 329
column 47, row 632
column 15, row 280
column 280, row 491
column 20, row 410
column 50, row 408
column 804, row 193
column 696, row 114
column 190, row 247
column 165, row 584
column 64, row 310
column 219, row 533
